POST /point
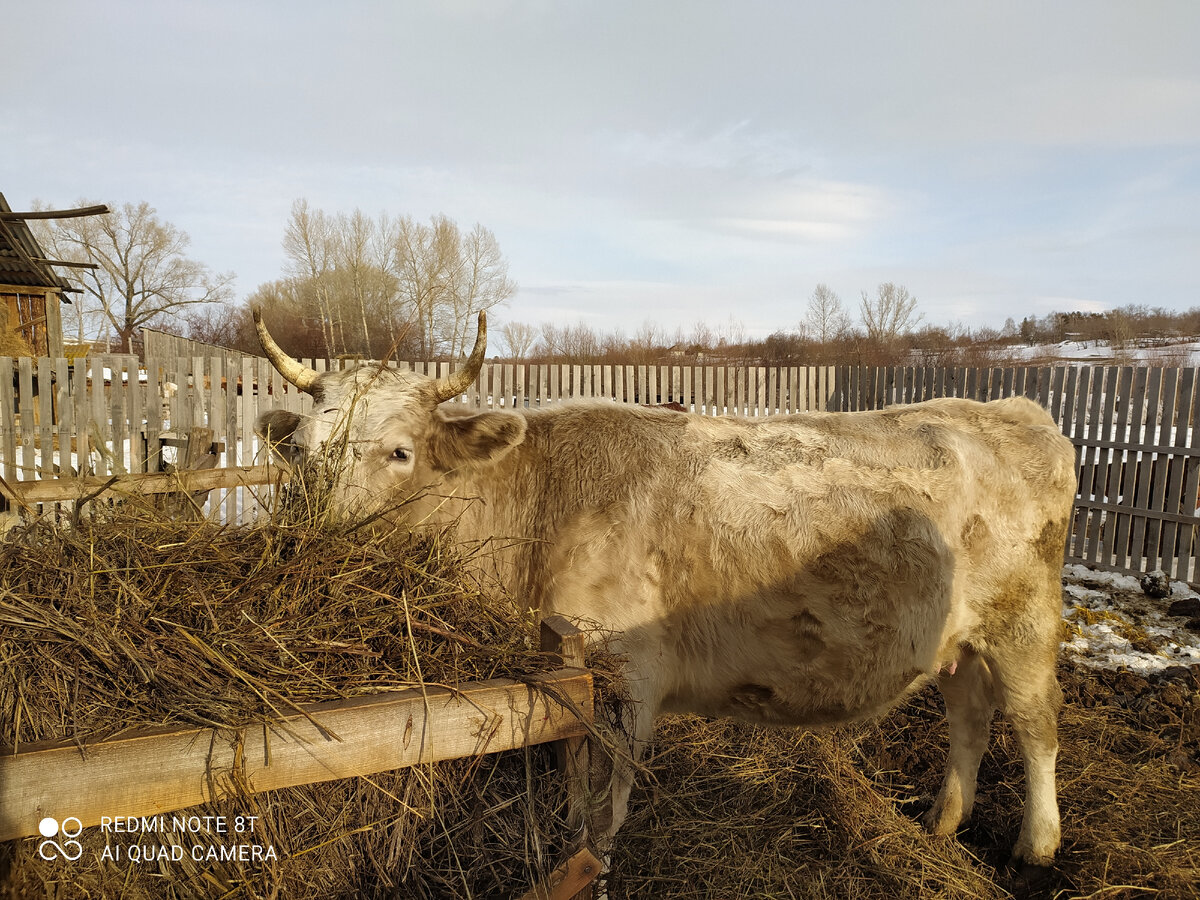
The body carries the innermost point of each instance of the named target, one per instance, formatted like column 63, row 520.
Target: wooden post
column 565, row 639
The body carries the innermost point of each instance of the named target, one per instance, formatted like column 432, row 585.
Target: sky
column 669, row 161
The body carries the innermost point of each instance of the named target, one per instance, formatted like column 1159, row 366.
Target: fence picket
column 1172, row 555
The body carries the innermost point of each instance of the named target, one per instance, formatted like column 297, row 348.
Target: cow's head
column 383, row 430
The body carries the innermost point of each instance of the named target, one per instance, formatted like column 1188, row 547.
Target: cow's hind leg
column 969, row 709
column 1028, row 693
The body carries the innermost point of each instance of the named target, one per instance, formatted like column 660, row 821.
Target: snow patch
column 1114, row 625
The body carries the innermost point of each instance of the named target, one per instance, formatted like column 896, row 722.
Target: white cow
column 792, row 570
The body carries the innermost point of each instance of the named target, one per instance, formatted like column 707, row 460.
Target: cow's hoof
column 1026, row 879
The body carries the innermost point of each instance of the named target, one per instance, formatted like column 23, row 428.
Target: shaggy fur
column 791, row 570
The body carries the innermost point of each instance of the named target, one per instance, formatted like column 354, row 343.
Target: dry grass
column 739, row 811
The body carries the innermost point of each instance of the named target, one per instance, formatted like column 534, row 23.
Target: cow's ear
column 276, row 428
column 456, row 442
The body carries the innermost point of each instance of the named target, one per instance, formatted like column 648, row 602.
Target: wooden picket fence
column 1133, row 427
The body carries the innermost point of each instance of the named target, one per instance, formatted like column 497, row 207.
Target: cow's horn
column 453, row 385
column 297, row 373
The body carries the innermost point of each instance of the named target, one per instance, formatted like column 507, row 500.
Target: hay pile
column 131, row 619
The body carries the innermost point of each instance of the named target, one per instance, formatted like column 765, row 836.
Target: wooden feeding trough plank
column 54, row 490
column 160, row 771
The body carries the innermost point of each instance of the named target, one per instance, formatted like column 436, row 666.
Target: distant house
column 31, row 294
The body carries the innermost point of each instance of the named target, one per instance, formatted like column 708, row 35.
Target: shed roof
column 22, row 261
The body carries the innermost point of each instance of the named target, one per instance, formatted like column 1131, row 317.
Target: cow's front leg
column 635, row 730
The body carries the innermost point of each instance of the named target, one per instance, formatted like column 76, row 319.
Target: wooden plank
column 1114, row 552
column 8, row 419
column 229, row 428
column 1072, row 413
column 154, row 415
column 27, row 401
column 149, row 773
column 135, row 417
column 1173, row 555
column 1158, row 486
column 1102, row 424
column 1191, row 494
column 569, row 880
column 248, row 413
column 1091, row 391
column 1144, row 468
column 83, row 417
column 1129, row 466
column 45, row 380
column 57, row 490
column 1145, row 515
column 65, row 424
column 117, row 418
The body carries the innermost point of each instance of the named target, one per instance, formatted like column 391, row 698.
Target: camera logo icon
column 70, row 828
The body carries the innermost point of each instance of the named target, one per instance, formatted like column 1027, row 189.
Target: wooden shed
column 31, row 293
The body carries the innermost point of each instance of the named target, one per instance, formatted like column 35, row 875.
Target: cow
column 803, row 570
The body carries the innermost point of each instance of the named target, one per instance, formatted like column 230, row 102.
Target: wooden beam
column 160, row 771
column 56, row 490
column 567, row 880
column 65, row 262
column 77, row 213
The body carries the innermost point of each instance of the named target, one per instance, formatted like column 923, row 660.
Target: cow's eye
column 400, row 454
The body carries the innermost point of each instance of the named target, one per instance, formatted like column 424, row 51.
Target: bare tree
column 445, row 278
column 478, row 280
column 574, row 344
column 826, row 319
column 519, row 337
column 702, row 338
column 308, row 243
column 647, row 343
column 143, row 274
column 891, row 313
